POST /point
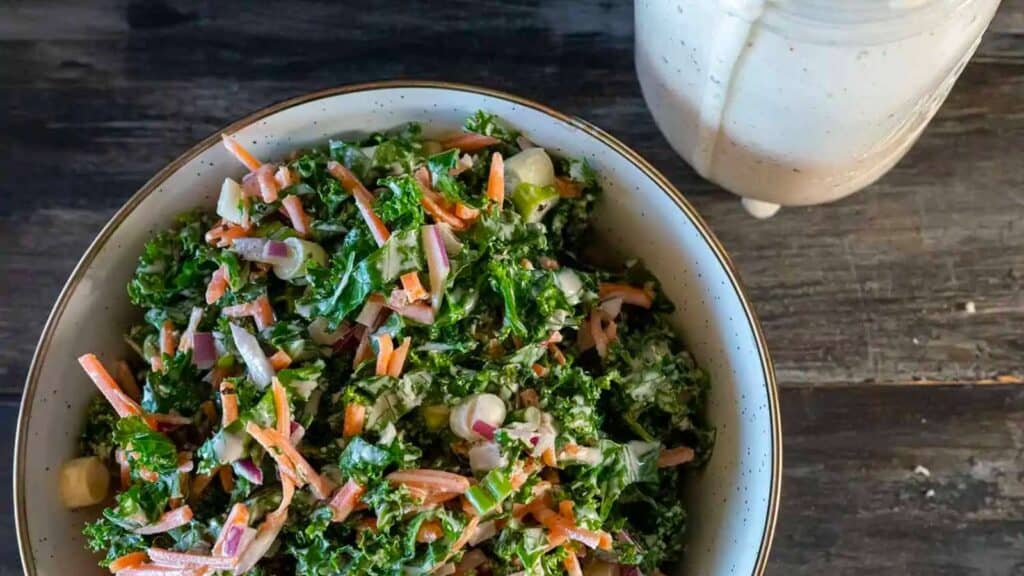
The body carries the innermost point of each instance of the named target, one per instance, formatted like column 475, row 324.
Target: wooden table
column 864, row 302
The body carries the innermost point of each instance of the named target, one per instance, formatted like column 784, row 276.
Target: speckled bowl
column 732, row 502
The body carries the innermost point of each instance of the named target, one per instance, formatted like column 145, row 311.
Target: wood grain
column 860, row 300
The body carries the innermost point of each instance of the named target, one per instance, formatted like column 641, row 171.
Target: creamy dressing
column 800, row 101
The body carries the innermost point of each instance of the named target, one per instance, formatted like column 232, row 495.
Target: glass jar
column 799, row 102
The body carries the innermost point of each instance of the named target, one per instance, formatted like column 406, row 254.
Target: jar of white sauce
column 798, row 102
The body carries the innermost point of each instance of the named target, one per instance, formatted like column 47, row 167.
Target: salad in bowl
column 393, row 355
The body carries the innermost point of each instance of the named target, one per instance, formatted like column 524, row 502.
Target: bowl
column 732, row 502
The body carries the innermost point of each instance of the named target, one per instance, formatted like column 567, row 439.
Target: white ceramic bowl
column 732, row 502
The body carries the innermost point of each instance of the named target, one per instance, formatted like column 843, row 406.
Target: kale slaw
column 425, row 377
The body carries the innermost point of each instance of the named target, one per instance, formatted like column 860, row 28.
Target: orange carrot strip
column 431, row 480
column 263, row 313
column 168, row 343
column 431, row 203
column 218, row 285
column 413, row 288
column 126, row 379
column 240, row 153
column 280, row 360
column 384, row 349
column 572, row 565
column 675, row 456
column 466, row 212
column 285, row 465
column 224, row 234
column 123, row 405
column 597, row 333
column 229, row 403
column 567, row 188
column 238, row 516
column 642, row 297
column 496, row 180
column 282, row 411
column 304, row 470
column 268, row 184
column 539, row 370
column 429, row 531
column 187, row 559
column 469, row 142
column 169, row 521
column 227, row 478
column 565, row 509
column 297, row 214
column 604, row 540
column 548, row 457
column 129, row 560
column 397, row 361
column 345, row 499
column 355, row 416
column 364, row 200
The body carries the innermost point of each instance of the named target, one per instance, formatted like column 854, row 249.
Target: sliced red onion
column 370, row 313
column 275, row 249
column 297, row 433
column 249, row 470
column 629, row 571
column 451, row 243
column 250, row 186
column 204, row 351
column 418, row 311
column 613, row 306
column 249, row 248
column 534, row 440
column 260, row 371
column 437, row 263
column 233, row 539
column 350, row 340
column 484, row 429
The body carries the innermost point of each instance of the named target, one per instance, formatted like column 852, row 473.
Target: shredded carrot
column 438, row 498
column 675, row 456
column 126, row 379
column 431, row 480
column 431, row 202
column 345, row 499
column 297, row 214
column 304, row 471
column 556, row 354
column 565, row 509
column 540, row 370
column 168, row 342
column 263, row 313
column 227, row 478
column 429, row 531
column 466, row 212
column 168, row 521
column 129, row 560
column 166, row 557
column 280, row 360
column 548, row 457
column 413, row 288
column 572, row 565
column 496, row 180
column 548, row 263
column 218, row 285
column 469, row 142
column 355, row 416
column 567, row 188
column 364, row 200
column 384, row 349
column 224, row 234
column 397, row 361
column 282, row 411
column 122, row 404
column 229, row 403
column 267, row 182
column 241, row 153
column 642, row 297
column 604, row 540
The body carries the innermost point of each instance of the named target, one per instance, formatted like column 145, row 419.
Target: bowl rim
column 32, row 378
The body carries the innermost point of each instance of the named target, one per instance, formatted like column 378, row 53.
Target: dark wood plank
column 852, row 502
